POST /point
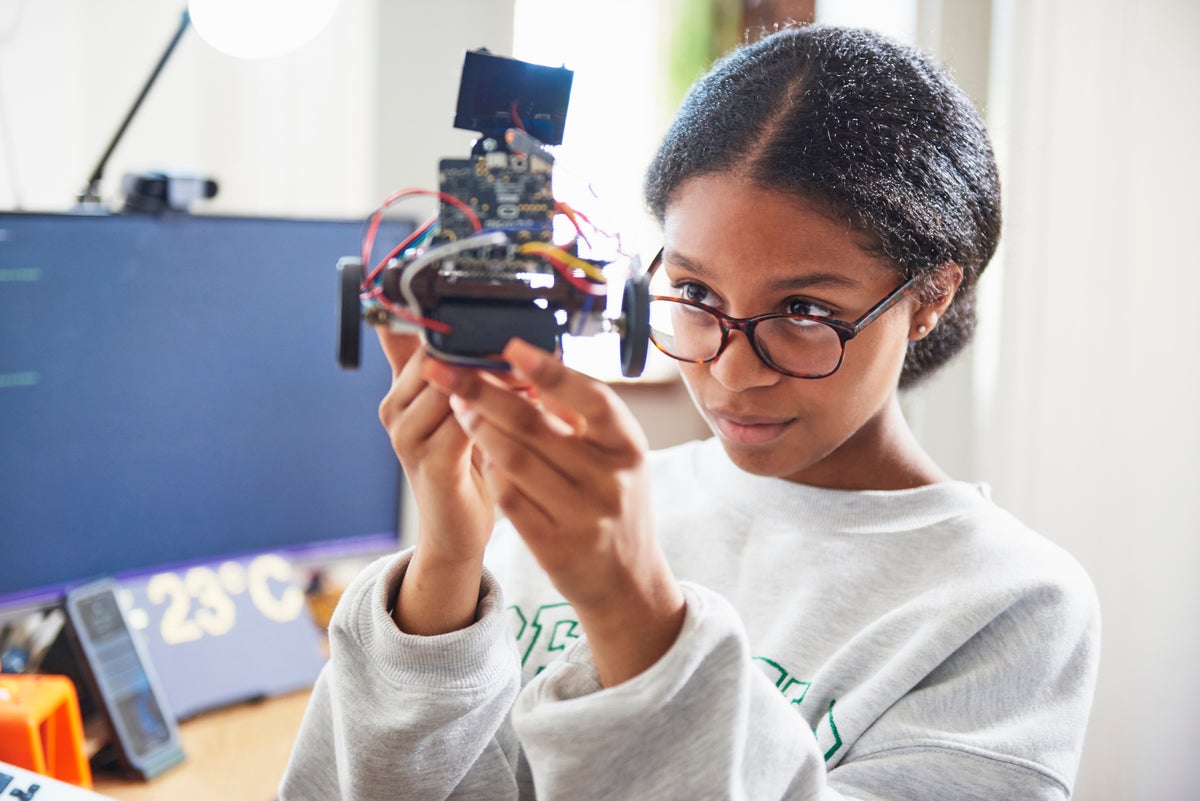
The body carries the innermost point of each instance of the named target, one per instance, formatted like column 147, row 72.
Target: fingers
column 516, row 476
column 581, row 409
column 530, row 458
column 537, row 466
column 577, row 492
column 588, row 405
column 407, row 381
column 397, row 348
column 418, row 417
column 488, row 407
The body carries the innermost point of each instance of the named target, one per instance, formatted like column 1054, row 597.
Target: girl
column 805, row 605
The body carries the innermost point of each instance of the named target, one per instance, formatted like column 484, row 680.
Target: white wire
column 486, row 239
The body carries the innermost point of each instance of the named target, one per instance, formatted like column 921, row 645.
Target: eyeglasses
column 797, row 345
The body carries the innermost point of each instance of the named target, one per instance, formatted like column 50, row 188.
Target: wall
column 944, row 412
column 70, row 69
column 420, row 47
column 1092, row 433
column 327, row 130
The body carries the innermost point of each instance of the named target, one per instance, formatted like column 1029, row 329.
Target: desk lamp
column 240, row 28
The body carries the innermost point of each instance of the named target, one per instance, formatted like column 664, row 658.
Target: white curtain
column 1090, row 430
column 1079, row 402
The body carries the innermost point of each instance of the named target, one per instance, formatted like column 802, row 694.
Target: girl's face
column 746, row 251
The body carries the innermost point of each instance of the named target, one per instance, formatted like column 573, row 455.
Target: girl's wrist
column 438, row 594
column 630, row 634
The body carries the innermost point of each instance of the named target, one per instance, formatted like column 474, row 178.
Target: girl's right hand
column 440, row 590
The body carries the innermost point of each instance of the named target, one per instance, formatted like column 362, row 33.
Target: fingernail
column 440, row 374
column 523, row 357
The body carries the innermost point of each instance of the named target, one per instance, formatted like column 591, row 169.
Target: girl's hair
column 866, row 129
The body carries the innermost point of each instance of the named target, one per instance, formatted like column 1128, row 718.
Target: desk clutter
column 21, row 784
column 41, row 728
column 121, row 662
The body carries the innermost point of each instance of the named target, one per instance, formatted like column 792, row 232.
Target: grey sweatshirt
column 919, row 644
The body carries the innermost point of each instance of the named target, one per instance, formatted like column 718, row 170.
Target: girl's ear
column 935, row 299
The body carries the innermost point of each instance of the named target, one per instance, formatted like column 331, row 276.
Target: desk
column 234, row 753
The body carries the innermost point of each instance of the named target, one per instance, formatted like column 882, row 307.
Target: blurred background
column 1077, row 402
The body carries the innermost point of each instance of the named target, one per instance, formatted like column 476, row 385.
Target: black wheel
column 635, row 330
column 349, row 340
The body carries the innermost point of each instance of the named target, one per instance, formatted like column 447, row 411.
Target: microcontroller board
column 510, row 192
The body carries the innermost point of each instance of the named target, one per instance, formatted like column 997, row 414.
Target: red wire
column 377, row 217
column 369, row 243
column 574, row 215
column 583, row 217
column 413, row 237
column 433, row 325
column 376, row 294
column 569, row 213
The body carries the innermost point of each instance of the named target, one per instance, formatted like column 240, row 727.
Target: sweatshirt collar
column 848, row 511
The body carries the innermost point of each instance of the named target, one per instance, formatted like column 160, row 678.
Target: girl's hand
column 440, row 590
column 567, row 466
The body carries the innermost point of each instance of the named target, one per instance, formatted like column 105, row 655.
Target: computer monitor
column 169, row 393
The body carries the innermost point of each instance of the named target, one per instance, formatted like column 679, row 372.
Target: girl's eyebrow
column 796, row 282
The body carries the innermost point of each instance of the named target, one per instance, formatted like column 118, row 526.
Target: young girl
column 804, row 606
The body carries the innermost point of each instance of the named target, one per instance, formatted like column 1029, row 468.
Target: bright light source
column 259, row 28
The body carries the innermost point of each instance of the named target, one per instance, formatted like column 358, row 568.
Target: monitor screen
column 169, row 393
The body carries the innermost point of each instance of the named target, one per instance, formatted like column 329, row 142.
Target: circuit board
column 508, row 191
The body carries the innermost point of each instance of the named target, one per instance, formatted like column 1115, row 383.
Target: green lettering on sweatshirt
column 792, row 689
column 558, row 619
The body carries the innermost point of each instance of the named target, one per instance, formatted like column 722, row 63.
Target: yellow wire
column 544, row 248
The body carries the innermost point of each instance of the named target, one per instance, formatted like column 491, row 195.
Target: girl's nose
column 739, row 367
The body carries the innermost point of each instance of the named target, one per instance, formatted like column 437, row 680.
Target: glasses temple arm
column 876, row 311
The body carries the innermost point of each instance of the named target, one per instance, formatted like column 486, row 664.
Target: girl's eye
column 690, row 290
column 807, row 307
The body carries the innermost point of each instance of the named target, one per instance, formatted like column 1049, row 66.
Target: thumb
column 397, row 348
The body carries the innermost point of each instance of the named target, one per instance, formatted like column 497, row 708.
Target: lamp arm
column 91, row 193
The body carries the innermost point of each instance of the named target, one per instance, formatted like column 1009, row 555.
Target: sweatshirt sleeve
column 394, row 715
column 704, row 722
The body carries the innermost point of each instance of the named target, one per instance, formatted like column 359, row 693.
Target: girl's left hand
column 565, row 461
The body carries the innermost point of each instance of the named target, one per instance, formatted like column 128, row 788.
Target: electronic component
column 156, row 192
column 486, row 268
column 121, row 680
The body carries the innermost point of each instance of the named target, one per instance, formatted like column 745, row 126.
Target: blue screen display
column 169, row 392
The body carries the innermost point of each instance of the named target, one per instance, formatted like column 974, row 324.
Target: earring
column 923, row 329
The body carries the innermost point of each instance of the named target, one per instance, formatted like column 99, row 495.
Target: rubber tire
column 349, row 340
column 635, row 333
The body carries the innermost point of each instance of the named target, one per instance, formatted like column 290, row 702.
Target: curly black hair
column 867, row 129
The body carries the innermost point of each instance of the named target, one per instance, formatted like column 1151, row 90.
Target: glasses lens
column 798, row 346
column 684, row 332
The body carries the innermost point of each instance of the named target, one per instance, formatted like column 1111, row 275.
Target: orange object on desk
column 41, row 728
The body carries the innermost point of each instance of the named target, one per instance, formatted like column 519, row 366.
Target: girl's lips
column 748, row 430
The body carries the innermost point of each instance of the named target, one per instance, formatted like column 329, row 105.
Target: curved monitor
column 169, row 393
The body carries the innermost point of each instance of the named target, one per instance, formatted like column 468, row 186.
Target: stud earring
column 923, row 329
